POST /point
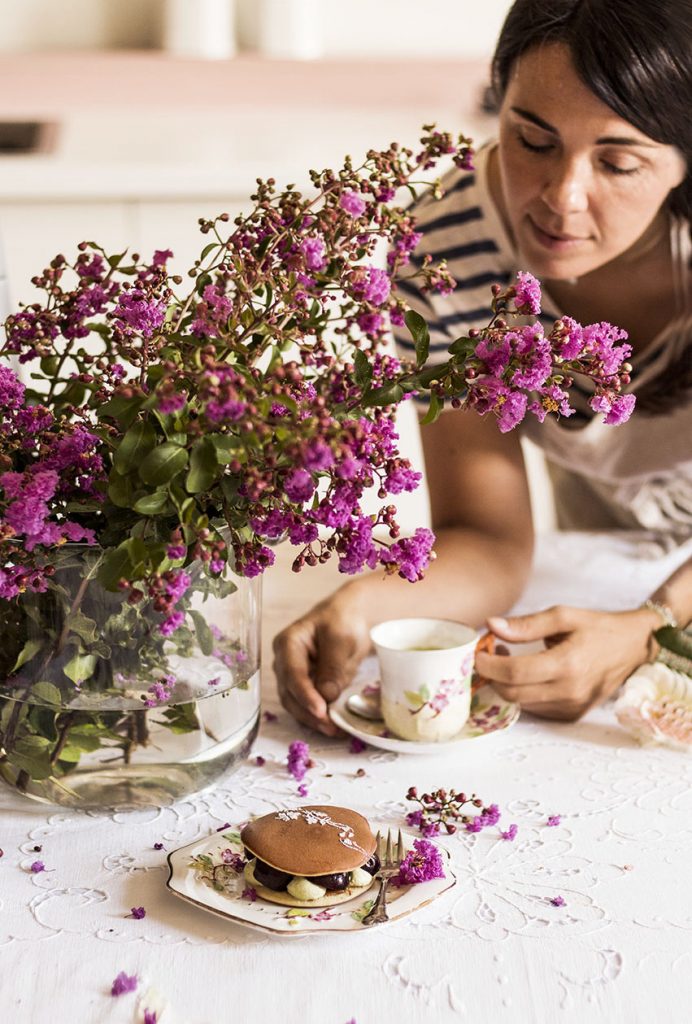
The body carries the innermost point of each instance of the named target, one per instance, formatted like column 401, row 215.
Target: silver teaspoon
column 364, row 707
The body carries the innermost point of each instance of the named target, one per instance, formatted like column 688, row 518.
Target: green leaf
column 116, row 565
column 46, row 693
column 82, row 625
column 49, row 366
column 420, row 334
column 202, row 281
column 115, row 260
column 182, row 718
column 83, row 742
column 205, row 638
column 207, row 249
column 439, row 372
column 424, row 691
column 121, row 489
column 80, row 667
column 679, row 641
column 413, row 698
column 152, row 504
column 28, row 651
column 163, row 463
column 120, row 408
column 204, row 467
column 135, row 445
column 363, row 368
column 33, row 759
column 390, row 395
column 225, row 446
column 435, row 407
column 462, row 347
column 229, row 486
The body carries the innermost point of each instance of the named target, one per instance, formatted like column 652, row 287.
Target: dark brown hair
column 636, row 57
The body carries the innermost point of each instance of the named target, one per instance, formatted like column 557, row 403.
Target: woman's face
column 580, row 185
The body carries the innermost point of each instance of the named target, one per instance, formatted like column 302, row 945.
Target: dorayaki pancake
column 285, row 899
column 314, row 840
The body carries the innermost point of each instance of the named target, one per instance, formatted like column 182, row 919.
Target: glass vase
column 102, row 705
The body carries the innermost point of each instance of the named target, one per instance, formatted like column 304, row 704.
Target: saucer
column 190, row 878
column 490, row 714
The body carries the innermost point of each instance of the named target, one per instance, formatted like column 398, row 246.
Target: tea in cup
column 425, row 676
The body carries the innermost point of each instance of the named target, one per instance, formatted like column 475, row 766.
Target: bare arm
column 482, row 518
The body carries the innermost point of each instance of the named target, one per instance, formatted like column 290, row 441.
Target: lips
column 556, row 240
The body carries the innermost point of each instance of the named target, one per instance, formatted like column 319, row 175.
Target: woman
column 589, row 187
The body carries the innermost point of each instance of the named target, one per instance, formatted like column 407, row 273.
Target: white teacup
column 425, row 676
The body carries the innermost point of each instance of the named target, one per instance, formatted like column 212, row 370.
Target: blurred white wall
column 300, row 28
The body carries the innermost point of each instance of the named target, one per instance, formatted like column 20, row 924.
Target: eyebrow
column 605, row 140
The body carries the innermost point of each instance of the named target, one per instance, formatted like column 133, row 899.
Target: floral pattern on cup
column 437, row 702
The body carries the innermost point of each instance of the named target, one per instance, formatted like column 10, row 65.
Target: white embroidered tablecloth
column 492, row 949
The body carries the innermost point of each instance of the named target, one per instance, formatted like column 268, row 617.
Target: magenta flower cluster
column 183, row 413
column 421, row 864
column 512, row 371
column 445, row 810
column 298, row 760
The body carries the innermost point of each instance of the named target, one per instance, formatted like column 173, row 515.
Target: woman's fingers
column 293, row 656
column 524, row 669
column 522, row 628
column 299, row 712
column 335, row 661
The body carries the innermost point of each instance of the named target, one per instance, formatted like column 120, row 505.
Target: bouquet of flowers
column 176, row 430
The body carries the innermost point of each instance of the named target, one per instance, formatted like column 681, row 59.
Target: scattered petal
column 137, row 912
column 37, row 867
column 554, row 820
column 158, row 846
column 557, row 901
column 357, row 746
column 249, row 894
column 124, row 983
column 259, row 760
column 510, row 834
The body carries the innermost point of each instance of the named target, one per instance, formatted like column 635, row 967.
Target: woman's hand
column 316, row 657
column 588, row 655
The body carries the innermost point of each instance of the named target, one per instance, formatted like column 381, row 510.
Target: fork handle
column 378, row 912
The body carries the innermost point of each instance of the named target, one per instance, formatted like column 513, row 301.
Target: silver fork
column 389, row 865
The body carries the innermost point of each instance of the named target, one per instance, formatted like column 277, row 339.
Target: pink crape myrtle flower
column 421, row 864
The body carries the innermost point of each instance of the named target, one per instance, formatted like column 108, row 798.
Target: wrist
column 663, row 612
column 654, row 617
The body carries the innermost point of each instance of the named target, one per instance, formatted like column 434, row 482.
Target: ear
column 680, row 170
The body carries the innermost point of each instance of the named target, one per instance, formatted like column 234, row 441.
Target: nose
column 566, row 189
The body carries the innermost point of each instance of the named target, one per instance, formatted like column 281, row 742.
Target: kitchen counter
column 129, row 125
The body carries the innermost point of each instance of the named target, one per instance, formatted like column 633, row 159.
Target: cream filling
column 303, row 889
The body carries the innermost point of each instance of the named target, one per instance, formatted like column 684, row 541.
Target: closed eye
column 532, row 148
column 546, row 147
column 612, row 169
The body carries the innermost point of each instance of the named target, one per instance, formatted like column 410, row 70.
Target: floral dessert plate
column 194, row 867
column 490, row 714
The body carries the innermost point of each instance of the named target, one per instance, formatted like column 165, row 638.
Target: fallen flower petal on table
column 124, row 983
